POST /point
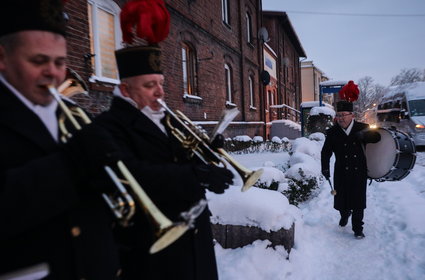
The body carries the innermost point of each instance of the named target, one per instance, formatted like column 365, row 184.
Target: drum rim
column 397, row 158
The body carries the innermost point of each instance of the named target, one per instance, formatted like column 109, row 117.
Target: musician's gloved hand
column 218, row 141
column 214, row 178
column 326, row 174
column 91, row 148
column 368, row 136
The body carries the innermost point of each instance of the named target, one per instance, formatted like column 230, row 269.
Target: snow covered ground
column 394, row 247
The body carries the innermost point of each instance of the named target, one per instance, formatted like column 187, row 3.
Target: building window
column 105, row 38
column 251, row 92
column 189, row 70
column 228, row 83
column 248, row 28
column 225, row 11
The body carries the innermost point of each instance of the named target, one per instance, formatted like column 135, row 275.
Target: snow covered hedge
column 243, row 144
column 299, row 178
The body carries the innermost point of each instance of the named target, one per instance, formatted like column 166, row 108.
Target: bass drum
column 392, row 158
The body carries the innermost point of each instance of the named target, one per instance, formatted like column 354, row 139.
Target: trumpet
column 121, row 203
column 197, row 140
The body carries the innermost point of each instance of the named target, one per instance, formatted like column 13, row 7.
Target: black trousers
column 356, row 218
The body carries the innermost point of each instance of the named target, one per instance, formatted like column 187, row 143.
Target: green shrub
column 300, row 190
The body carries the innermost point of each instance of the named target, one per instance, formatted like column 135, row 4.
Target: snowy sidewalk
column 394, row 247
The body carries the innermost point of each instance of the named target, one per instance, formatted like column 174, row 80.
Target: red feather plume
column 349, row 92
column 150, row 18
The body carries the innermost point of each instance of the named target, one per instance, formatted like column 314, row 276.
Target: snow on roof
column 310, row 104
column 333, row 83
column 290, row 123
column 412, row 91
column 322, row 110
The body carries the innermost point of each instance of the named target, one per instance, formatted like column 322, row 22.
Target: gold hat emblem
column 155, row 61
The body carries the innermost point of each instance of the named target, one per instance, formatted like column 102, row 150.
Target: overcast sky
column 349, row 47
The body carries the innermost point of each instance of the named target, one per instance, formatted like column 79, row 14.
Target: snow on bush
column 306, row 146
column 258, row 139
column 242, row 138
column 277, row 140
column 317, row 136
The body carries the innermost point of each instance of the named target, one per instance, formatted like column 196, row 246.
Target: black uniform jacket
column 350, row 173
column 166, row 174
column 43, row 219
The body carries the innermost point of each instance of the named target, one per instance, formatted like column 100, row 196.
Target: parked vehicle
column 403, row 107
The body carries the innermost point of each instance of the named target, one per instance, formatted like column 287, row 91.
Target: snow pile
column 266, row 209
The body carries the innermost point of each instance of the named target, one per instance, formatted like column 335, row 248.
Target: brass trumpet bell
column 71, row 87
column 195, row 139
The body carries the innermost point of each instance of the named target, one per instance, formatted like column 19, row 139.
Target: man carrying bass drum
column 347, row 139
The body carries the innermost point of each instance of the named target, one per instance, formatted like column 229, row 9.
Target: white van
column 403, row 107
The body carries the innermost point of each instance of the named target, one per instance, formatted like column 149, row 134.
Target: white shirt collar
column 348, row 129
column 154, row 116
column 47, row 114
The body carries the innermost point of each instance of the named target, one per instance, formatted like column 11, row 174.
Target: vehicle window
column 417, row 107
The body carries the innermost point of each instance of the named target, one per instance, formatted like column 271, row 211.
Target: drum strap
column 362, row 144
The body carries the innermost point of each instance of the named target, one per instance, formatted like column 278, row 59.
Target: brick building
column 287, row 49
column 212, row 59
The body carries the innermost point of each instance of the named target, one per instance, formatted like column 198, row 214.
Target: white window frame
column 189, row 70
column 110, row 7
column 251, row 92
column 248, row 28
column 228, row 83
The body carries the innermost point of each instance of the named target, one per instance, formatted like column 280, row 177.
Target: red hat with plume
column 349, row 92
column 148, row 20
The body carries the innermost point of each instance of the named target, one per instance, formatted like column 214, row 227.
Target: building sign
column 270, row 64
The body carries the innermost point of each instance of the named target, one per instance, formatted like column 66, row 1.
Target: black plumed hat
column 24, row 15
column 139, row 60
column 344, row 106
column 148, row 20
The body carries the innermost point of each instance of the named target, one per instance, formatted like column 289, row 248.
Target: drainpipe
column 242, row 58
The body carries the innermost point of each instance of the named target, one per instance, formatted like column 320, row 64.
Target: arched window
column 228, row 83
column 189, row 70
column 225, row 11
column 251, row 92
column 105, row 38
column 248, row 28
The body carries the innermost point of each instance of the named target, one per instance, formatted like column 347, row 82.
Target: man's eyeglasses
column 340, row 116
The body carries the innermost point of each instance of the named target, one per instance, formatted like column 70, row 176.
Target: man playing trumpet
column 53, row 223
column 170, row 177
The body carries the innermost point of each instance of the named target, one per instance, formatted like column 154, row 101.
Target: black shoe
column 359, row 235
column 344, row 220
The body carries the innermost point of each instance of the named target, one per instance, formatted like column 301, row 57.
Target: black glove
column 326, row 174
column 89, row 150
column 214, row 178
column 368, row 136
column 218, row 141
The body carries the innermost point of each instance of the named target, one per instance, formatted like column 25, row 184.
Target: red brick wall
column 198, row 22
column 288, row 72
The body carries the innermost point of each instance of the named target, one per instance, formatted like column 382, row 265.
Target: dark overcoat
column 166, row 174
column 350, row 172
column 43, row 219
